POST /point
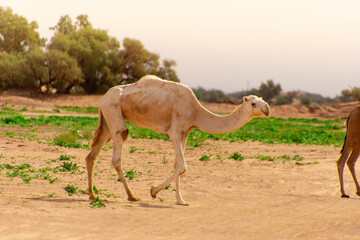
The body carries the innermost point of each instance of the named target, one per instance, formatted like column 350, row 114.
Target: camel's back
column 352, row 139
column 354, row 122
column 152, row 100
column 156, row 90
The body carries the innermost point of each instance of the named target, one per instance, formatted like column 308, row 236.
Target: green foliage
column 69, row 167
column 355, row 92
column 69, row 139
column 97, row 203
column 237, row 156
column 269, row 90
column 266, row 130
column 79, row 109
column 64, row 157
column 212, row 95
column 205, row 158
column 130, row 174
column 96, row 191
column 25, row 172
column 71, row 189
column 17, row 34
column 346, row 95
column 78, row 57
column 266, row 158
column 132, row 149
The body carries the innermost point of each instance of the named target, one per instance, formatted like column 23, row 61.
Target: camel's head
column 257, row 105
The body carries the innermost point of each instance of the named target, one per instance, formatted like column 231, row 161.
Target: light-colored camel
column 351, row 145
column 169, row 108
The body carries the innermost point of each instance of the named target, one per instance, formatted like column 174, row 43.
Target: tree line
column 78, row 56
column 272, row 93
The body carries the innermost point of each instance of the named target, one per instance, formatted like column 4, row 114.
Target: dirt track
column 229, row 199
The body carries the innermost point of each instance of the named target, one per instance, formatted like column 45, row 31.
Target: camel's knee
column 90, row 158
column 116, row 162
column 182, row 168
column 124, row 134
column 350, row 164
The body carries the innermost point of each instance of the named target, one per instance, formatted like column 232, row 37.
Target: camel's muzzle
column 266, row 110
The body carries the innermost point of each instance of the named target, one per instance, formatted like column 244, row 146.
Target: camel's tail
column 347, row 128
column 100, row 128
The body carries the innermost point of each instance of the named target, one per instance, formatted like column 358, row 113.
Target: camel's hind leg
column 119, row 133
column 351, row 164
column 102, row 135
column 340, row 166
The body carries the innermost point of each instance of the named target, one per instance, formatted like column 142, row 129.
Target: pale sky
column 232, row 45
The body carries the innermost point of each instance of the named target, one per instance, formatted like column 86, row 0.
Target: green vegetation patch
column 79, row 109
column 266, row 130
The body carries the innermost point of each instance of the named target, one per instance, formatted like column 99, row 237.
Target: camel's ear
column 245, row 99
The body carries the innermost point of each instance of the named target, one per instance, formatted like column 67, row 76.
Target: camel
column 351, row 145
column 169, row 108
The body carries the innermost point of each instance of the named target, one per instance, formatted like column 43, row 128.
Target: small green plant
column 132, row 149
column 219, row 157
column 266, row 158
column 97, row 203
column 71, row 189
column 298, row 160
column 96, row 191
column 130, row 174
column 205, row 158
column 69, row 167
column 237, row 156
column 164, row 160
column 64, row 157
column 51, row 194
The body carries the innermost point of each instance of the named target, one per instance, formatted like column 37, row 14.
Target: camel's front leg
column 351, row 164
column 116, row 161
column 180, row 168
column 340, row 166
column 179, row 198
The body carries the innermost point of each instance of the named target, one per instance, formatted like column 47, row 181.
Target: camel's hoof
column 92, row 197
column 182, row 203
column 345, row 196
column 152, row 192
column 132, row 199
column 358, row 193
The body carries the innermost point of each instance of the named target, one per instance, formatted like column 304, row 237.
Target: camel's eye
column 253, row 105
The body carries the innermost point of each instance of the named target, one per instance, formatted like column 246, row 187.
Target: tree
column 95, row 52
column 355, row 92
column 166, row 71
column 269, row 90
column 16, row 34
column 346, row 96
column 136, row 61
column 53, row 69
column 34, row 67
column 10, row 71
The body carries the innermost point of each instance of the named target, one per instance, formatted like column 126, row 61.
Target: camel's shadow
column 126, row 204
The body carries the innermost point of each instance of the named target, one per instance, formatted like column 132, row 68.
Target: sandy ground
column 229, row 199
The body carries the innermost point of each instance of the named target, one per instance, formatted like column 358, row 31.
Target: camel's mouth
column 266, row 111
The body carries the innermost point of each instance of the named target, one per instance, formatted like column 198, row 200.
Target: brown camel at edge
column 351, row 145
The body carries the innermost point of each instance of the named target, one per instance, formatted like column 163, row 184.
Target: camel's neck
column 212, row 123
